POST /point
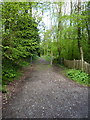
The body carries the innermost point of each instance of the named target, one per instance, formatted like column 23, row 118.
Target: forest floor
column 45, row 93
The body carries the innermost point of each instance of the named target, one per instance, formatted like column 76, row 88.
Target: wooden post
column 85, row 66
column 82, row 60
column 44, row 51
column 31, row 59
column 74, row 63
column 47, row 49
column 51, row 57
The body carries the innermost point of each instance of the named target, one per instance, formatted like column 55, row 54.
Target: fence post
column 86, row 70
column 74, row 63
column 82, row 60
column 31, row 59
column 51, row 57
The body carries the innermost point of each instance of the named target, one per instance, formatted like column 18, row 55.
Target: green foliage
column 3, row 89
column 69, row 32
column 9, row 71
column 79, row 76
column 20, row 34
column 20, row 38
column 24, row 63
column 56, row 60
column 21, row 41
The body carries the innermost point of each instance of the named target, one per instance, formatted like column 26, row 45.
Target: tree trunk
column 88, row 31
column 30, row 4
column 88, row 21
column 72, row 56
column 71, row 13
column 59, row 31
column 79, row 28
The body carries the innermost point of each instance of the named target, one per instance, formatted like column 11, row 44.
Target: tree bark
column 79, row 28
column 59, row 31
column 71, row 25
column 88, row 21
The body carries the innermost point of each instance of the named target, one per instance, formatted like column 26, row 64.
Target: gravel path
column 48, row 94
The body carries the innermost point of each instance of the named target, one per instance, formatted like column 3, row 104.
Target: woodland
column 25, row 36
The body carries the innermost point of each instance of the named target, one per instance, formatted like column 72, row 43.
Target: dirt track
column 46, row 93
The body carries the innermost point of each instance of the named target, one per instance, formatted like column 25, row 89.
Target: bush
column 10, row 70
column 79, row 76
column 58, row 60
column 8, row 73
column 4, row 89
column 24, row 63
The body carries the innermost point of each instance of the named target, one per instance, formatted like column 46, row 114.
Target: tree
column 20, row 37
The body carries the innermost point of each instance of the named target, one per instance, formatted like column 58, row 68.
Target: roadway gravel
column 47, row 93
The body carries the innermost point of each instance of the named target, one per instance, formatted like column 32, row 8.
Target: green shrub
column 24, row 63
column 10, row 70
column 3, row 89
column 79, row 76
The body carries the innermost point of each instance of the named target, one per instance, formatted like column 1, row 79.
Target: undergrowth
column 79, row 76
column 11, row 71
